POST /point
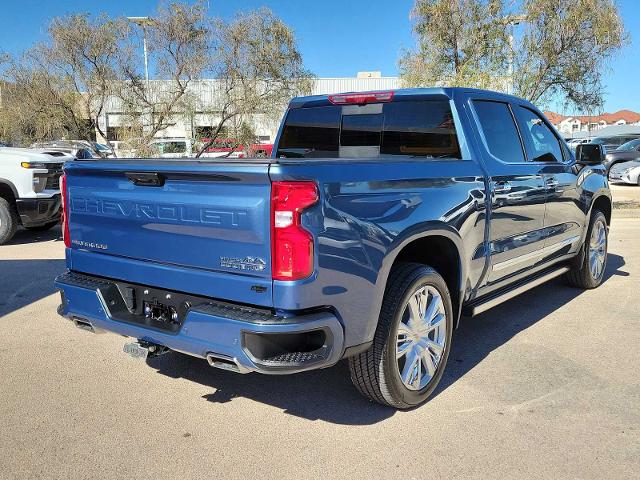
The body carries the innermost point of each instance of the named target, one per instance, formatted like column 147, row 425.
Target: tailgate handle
column 146, row 179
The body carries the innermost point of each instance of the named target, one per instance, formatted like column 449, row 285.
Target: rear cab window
column 413, row 127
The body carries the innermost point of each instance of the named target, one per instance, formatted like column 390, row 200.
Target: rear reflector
column 291, row 244
column 65, row 211
column 361, row 98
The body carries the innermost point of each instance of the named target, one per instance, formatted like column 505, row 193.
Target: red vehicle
column 229, row 147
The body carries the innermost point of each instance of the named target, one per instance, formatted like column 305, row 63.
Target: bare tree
column 259, row 68
column 179, row 45
column 64, row 84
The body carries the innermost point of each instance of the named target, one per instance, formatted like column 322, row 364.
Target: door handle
column 551, row 182
column 501, row 187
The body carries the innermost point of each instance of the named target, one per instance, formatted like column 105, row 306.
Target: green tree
column 460, row 43
column 179, row 40
column 565, row 49
column 560, row 54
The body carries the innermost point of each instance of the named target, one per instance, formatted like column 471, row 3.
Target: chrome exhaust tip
column 224, row 362
column 86, row 325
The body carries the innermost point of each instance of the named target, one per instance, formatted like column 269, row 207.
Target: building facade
column 114, row 121
column 578, row 125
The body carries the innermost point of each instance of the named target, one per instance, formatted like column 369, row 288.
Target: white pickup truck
column 29, row 189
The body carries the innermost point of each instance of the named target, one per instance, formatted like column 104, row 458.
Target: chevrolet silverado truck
column 29, row 189
column 379, row 221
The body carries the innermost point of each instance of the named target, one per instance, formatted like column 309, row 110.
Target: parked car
column 231, row 148
column 612, row 142
column 625, row 172
column 381, row 219
column 123, row 148
column 624, row 153
column 29, row 190
column 574, row 142
column 175, row 147
column 80, row 149
column 104, row 150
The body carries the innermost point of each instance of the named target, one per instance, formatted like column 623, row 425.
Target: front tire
column 590, row 272
column 8, row 221
column 411, row 345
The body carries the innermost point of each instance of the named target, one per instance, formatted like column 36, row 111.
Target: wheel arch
column 439, row 247
column 602, row 203
column 8, row 190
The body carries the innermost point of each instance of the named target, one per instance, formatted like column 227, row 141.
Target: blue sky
column 337, row 38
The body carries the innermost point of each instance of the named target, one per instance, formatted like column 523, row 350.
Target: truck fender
column 417, row 232
column 11, row 187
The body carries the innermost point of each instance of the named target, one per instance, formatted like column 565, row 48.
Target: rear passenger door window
column 499, row 130
column 540, row 142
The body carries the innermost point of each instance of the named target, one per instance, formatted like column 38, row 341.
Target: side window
column 540, row 142
column 499, row 131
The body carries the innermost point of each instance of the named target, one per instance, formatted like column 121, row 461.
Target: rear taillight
column 361, row 98
column 65, row 211
column 291, row 244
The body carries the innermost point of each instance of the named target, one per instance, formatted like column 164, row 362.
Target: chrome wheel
column 421, row 338
column 598, row 249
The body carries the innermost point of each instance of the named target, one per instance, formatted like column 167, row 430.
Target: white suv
column 29, row 189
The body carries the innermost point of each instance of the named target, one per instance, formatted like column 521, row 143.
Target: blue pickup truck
column 381, row 219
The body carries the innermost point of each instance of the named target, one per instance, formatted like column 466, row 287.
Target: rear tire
column 411, row 345
column 590, row 272
column 8, row 221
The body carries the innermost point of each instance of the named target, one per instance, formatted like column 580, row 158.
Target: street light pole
column 144, row 22
column 146, row 59
column 512, row 21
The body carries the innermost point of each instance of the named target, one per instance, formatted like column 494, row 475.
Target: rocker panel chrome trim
column 535, row 254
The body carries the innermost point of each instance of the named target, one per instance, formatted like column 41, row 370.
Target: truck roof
column 409, row 92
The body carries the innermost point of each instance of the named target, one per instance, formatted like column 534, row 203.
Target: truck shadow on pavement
column 25, row 237
column 479, row 336
column 23, row 282
column 328, row 394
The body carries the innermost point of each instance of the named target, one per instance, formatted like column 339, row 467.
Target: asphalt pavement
column 545, row 386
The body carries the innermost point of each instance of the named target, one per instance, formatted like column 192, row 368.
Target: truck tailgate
column 190, row 226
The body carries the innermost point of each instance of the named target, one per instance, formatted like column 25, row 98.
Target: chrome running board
column 483, row 304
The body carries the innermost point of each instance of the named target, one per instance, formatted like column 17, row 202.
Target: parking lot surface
column 545, row 386
column 626, row 194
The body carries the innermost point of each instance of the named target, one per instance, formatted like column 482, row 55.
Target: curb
column 626, row 213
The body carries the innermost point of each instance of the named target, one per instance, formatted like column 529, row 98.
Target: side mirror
column 590, row 154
